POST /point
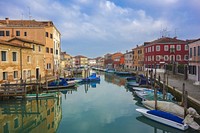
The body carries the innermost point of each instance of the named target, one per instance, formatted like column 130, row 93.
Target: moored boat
column 164, row 118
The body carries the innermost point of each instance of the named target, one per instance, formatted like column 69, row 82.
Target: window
column 194, row 51
column 47, row 50
column 47, row 34
column 48, row 65
column 186, row 57
column 178, row 57
column 25, row 33
column 14, row 56
column 29, row 73
column 52, row 50
column 178, row 47
column 33, row 47
column 7, row 33
column 3, row 56
column 152, row 58
column 152, row 48
column 157, row 57
column 190, row 52
column 157, row 48
column 166, row 58
column 17, row 33
column 186, row 47
column 39, row 48
column 2, row 33
column 166, row 48
column 56, row 52
column 28, row 59
column 51, row 36
column 198, row 50
column 15, row 74
column 5, row 75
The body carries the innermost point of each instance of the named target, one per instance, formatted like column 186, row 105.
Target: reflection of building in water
column 42, row 115
column 112, row 78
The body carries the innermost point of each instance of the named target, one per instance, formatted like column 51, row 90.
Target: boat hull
column 162, row 120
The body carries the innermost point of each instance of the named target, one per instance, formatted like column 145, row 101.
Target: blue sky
column 95, row 27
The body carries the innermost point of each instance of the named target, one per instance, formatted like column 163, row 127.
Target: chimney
column 7, row 20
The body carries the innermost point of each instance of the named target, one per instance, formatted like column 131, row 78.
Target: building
column 100, row 62
column 21, row 59
column 43, row 32
column 66, row 60
column 138, row 58
column 118, row 60
column 164, row 51
column 108, row 62
column 92, row 62
column 80, row 61
column 128, row 60
column 194, row 61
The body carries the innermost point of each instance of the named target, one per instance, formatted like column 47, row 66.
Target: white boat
column 164, row 118
column 148, row 94
column 139, row 88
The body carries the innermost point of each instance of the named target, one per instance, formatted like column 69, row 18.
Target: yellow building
column 21, row 59
column 138, row 58
column 43, row 32
column 80, row 61
column 66, row 60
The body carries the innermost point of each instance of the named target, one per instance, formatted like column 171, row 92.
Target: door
column 37, row 73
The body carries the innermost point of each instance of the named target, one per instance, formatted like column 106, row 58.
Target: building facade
column 164, row 51
column 43, row 32
column 138, row 58
column 66, row 60
column 21, row 60
column 128, row 60
column 194, row 61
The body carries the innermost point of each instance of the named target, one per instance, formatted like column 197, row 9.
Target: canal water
column 104, row 107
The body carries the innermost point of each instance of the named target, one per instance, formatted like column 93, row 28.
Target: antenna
column 22, row 16
column 29, row 13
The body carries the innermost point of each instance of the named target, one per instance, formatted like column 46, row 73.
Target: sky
column 94, row 28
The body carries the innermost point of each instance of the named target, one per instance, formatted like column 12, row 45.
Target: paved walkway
column 177, row 82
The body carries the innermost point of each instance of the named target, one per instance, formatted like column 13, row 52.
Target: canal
column 105, row 107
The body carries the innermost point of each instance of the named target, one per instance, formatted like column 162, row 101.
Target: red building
column 165, row 50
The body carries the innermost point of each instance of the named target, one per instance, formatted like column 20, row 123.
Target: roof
column 165, row 40
column 13, row 44
column 25, row 40
column 80, row 56
column 193, row 40
column 24, row 23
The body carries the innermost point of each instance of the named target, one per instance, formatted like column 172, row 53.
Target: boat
column 91, row 78
column 132, row 84
column 59, row 84
column 140, row 88
column 164, row 118
column 41, row 95
column 123, row 73
column 166, row 106
column 148, row 94
column 110, row 70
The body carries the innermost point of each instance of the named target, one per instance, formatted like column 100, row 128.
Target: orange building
column 138, row 58
column 118, row 60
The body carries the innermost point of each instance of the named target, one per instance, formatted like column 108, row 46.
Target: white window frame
column 186, row 47
column 157, row 57
column 15, row 74
column 166, row 48
column 178, row 47
column 152, row 48
column 166, row 57
column 178, row 57
column 158, row 48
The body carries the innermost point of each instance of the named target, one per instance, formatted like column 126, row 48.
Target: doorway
column 37, row 73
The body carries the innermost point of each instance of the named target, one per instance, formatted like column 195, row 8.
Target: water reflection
column 115, row 79
column 42, row 115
